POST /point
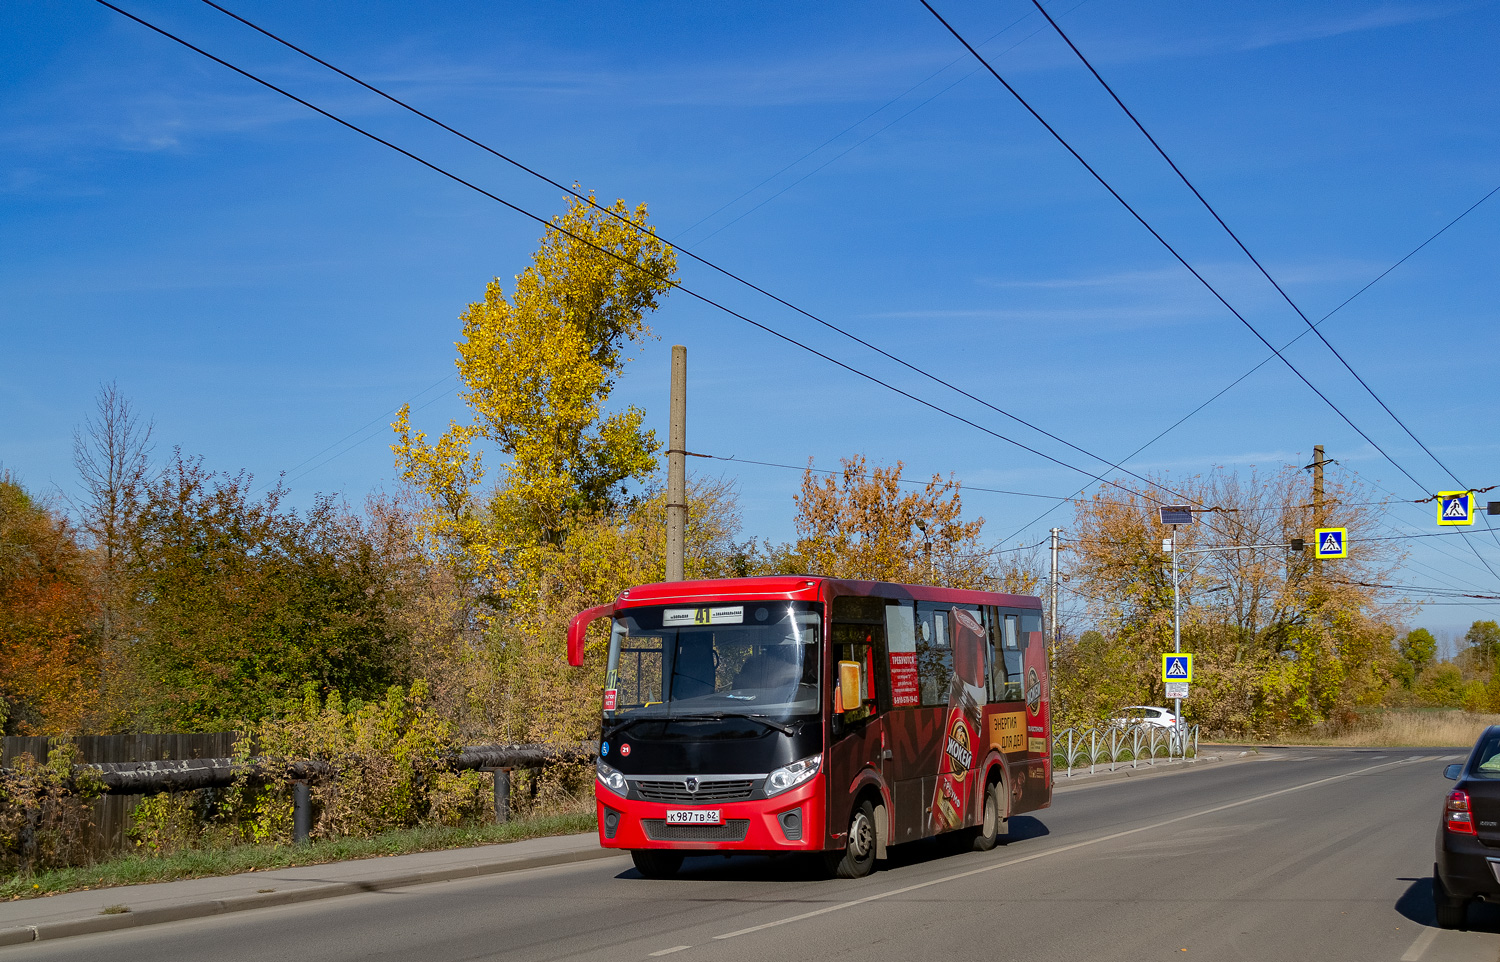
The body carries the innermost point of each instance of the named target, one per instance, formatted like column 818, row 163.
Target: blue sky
column 270, row 287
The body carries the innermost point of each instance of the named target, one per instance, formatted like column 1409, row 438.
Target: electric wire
column 1268, row 358
column 362, row 428
column 675, row 284
column 691, row 293
column 871, row 136
column 1183, row 261
column 1313, row 328
column 889, row 103
column 912, row 367
column 1166, row 244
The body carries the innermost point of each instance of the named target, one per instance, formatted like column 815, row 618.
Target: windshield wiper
column 721, row 715
column 714, row 715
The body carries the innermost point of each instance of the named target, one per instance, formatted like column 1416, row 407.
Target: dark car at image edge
column 1468, row 841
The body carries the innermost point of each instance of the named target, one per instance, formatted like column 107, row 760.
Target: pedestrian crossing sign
column 1455, row 507
column 1331, row 543
column 1176, row 666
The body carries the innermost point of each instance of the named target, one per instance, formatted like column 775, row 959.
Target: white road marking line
column 1052, row 851
column 1420, row 946
column 675, row 948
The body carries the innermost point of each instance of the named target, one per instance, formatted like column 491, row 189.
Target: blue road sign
column 1177, row 666
column 1331, row 543
column 1455, row 507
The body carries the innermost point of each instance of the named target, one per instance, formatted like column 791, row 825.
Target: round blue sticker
column 604, row 748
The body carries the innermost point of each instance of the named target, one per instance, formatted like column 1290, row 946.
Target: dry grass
column 1403, row 729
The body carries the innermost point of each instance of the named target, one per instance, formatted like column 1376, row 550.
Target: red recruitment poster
column 901, row 644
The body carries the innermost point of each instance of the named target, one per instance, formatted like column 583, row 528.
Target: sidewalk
column 81, row 913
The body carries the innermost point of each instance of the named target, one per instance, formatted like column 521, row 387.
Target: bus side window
column 858, row 635
column 996, row 653
column 1012, row 638
column 863, row 645
column 934, row 654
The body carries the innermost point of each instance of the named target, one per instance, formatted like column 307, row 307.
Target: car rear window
column 1487, row 759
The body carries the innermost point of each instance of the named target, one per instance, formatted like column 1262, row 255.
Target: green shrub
column 45, row 817
column 377, row 766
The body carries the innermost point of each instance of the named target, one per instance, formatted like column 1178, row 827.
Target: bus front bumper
column 789, row 822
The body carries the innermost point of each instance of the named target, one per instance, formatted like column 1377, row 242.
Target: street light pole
column 1176, row 627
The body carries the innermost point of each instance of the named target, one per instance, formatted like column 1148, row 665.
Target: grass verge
column 1402, row 729
column 197, row 863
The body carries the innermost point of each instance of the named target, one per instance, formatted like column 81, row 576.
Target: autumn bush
column 45, row 812
column 371, row 767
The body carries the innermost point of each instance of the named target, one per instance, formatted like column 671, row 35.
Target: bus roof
column 807, row 588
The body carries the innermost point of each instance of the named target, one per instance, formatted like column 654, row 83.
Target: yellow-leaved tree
column 538, row 366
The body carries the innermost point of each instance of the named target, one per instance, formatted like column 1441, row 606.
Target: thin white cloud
column 1391, row 15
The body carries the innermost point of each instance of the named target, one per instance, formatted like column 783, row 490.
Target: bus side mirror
column 849, row 699
column 1453, row 771
column 578, row 629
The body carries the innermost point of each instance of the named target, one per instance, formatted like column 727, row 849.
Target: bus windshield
column 750, row 658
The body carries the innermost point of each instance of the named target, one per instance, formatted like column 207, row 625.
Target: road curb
column 66, row 928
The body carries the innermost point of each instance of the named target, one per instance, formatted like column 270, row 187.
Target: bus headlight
column 611, row 779
column 792, row 775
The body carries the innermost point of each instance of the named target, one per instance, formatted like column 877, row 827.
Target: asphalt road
column 1305, row 854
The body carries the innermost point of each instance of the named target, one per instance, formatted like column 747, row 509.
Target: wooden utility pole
column 676, row 467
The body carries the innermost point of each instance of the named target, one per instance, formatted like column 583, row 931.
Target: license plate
column 694, row 816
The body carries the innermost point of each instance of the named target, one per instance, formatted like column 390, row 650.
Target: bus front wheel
column 655, row 864
column 858, row 857
column 994, row 824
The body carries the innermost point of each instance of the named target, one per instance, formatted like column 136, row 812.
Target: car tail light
column 1457, row 814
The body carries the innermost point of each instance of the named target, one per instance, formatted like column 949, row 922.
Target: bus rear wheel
column 858, row 857
column 656, row 864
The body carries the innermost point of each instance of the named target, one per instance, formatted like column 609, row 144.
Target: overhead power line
column 1178, row 257
column 1163, row 241
column 1313, row 328
column 1269, row 357
column 688, row 253
column 675, row 284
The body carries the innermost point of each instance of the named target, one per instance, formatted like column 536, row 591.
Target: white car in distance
column 1149, row 715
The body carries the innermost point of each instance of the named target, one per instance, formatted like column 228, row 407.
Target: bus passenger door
column 858, row 741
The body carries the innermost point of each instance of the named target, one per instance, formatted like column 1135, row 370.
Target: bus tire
column 993, row 824
column 655, row 864
column 858, row 857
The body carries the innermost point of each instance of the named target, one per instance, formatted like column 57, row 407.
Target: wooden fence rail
column 112, row 813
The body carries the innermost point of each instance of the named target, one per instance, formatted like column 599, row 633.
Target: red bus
column 806, row 714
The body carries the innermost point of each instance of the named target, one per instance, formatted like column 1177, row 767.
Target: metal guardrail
column 144, row 778
column 187, row 775
column 1115, row 745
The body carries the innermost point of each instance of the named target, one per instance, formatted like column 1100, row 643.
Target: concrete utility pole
column 1052, row 612
column 676, row 467
column 1318, row 519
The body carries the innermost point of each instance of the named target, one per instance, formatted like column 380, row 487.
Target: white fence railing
column 1111, row 745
